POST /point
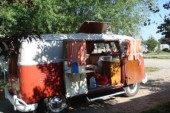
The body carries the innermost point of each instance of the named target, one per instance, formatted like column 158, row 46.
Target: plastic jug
column 74, row 67
column 92, row 82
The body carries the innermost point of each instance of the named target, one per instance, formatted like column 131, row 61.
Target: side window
column 100, row 48
column 114, row 48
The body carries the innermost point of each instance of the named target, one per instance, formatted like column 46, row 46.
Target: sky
column 151, row 30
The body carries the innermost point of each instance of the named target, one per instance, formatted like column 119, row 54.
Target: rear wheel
column 131, row 89
column 54, row 104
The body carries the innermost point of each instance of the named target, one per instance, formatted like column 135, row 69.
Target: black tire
column 132, row 89
column 45, row 106
column 41, row 107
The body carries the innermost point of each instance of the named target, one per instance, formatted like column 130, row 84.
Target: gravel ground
column 155, row 92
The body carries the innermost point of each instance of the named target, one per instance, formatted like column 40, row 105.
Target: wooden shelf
column 84, row 72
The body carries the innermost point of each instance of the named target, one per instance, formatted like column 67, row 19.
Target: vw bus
column 44, row 73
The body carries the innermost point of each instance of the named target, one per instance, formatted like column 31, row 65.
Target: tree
column 164, row 28
column 164, row 40
column 19, row 18
column 151, row 43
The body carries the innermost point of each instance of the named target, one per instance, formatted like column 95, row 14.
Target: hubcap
column 56, row 104
column 132, row 88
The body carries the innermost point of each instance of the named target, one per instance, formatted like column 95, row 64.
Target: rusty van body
column 55, row 68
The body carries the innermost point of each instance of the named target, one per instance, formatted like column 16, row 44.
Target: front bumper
column 18, row 103
column 145, row 79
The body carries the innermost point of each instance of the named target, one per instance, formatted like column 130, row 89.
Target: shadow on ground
column 160, row 94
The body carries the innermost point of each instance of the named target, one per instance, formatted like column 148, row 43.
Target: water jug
column 92, row 82
column 74, row 67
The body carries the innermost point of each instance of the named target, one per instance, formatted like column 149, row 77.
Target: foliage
column 164, row 40
column 164, row 28
column 151, row 43
column 165, row 49
column 21, row 19
column 25, row 17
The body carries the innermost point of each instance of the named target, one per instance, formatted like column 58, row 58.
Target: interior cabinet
column 112, row 70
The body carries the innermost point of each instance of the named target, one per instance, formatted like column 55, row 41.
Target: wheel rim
column 57, row 104
column 132, row 88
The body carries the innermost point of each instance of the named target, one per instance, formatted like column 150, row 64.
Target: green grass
column 165, row 108
column 151, row 69
column 159, row 55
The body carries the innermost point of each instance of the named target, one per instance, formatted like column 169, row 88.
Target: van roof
column 85, row 36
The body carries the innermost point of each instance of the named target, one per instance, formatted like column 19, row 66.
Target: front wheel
column 131, row 89
column 54, row 104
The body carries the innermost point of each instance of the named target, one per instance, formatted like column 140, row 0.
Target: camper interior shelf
column 80, row 73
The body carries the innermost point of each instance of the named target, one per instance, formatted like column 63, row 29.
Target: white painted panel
column 40, row 52
column 75, row 84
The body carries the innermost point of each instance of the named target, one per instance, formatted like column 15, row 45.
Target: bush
column 165, row 49
column 151, row 43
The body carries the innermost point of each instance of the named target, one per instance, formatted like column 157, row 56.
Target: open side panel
column 74, row 76
column 134, row 71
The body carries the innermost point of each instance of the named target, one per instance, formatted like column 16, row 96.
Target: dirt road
column 155, row 92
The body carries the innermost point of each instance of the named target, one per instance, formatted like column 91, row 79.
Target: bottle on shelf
column 92, row 82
